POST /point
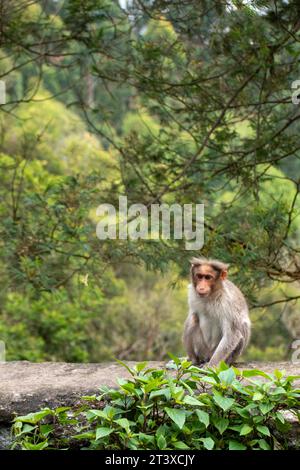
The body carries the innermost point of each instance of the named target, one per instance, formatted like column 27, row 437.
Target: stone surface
column 5, row 437
column 27, row 386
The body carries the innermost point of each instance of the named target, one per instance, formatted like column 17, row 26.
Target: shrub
column 185, row 408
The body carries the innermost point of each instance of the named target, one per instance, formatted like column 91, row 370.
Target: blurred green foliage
column 161, row 105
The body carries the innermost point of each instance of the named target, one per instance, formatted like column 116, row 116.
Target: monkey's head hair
column 217, row 265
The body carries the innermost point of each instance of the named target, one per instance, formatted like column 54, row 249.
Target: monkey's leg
column 245, row 335
column 191, row 336
column 236, row 353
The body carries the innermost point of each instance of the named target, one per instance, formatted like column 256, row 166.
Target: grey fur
column 218, row 326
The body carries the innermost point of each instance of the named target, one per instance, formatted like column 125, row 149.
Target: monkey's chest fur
column 211, row 331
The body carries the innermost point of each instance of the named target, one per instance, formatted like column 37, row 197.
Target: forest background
column 164, row 102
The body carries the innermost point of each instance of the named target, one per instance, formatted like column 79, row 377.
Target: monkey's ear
column 224, row 274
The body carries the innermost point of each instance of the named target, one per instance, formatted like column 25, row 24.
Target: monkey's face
column 205, row 279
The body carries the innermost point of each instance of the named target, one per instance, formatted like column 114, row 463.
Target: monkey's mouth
column 204, row 294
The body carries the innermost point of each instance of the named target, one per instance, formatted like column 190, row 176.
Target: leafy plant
column 184, row 408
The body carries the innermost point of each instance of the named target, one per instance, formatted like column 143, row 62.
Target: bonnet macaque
column 218, row 326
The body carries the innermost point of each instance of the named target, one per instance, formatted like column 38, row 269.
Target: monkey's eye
column 207, row 277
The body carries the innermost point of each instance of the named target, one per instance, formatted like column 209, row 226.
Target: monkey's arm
column 194, row 343
column 226, row 346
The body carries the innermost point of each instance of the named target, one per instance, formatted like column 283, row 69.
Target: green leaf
column 203, row 417
column 236, row 371
column 257, row 396
column 208, row 442
column 278, row 374
column 146, row 438
column 227, row 376
column 162, row 429
column 188, row 400
column 132, row 443
column 237, row 386
column 245, row 412
column 161, row 442
column 102, row 432
column 210, row 380
column 235, row 445
column 236, row 428
column 263, row 444
column 223, row 402
column 125, row 385
column 34, row 418
column 165, row 392
column 278, row 391
column 39, row 446
column 181, row 445
column 123, row 422
column 256, row 372
column 177, row 393
column 45, row 429
column 292, row 378
column 85, row 435
column 266, row 407
column 263, row 430
column 187, row 387
column 129, row 387
column 61, row 409
column 246, row 429
column 91, row 414
column 258, row 419
column 25, row 429
column 141, row 366
column 221, row 424
column 176, row 415
column 280, row 417
column 185, row 364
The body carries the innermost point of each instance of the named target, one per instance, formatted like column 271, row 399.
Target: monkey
column 218, row 326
